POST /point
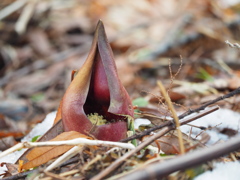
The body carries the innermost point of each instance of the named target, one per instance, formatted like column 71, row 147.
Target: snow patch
column 223, row 118
column 141, row 122
column 222, row 171
column 42, row 127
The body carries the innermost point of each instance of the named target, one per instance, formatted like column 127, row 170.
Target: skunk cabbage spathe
column 96, row 102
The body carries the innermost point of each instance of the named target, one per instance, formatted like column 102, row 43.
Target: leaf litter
column 37, row 63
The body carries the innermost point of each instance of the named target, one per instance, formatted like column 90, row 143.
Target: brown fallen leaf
column 7, row 142
column 3, row 123
column 174, row 96
column 234, row 82
column 41, row 155
column 54, row 131
column 12, row 169
column 14, row 134
column 169, row 143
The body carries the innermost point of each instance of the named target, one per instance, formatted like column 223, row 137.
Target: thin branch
column 20, row 175
column 12, row 8
column 25, row 16
column 190, row 111
column 73, row 142
column 151, row 139
column 72, row 152
column 188, row 160
column 235, row 45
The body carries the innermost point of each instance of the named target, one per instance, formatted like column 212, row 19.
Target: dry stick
column 188, row 160
column 175, row 117
column 73, row 142
column 20, row 175
column 25, row 16
column 69, row 154
column 235, row 45
column 163, row 131
column 12, row 8
column 190, row 111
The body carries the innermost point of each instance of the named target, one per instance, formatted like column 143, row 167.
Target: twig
column 25, row 16
column 20, row 175
column 190, row 111
column 188, row 160
column 175, row 117
column 233, row 157
column 120, row 160
column 94, row 160
column 72, row 142
column 11, row 8
column 72, row 172
column 235, row 45
column 72, row 152
column 53, row 176
column 163, row 131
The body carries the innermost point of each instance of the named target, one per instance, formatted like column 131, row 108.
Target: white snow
column 141, row 121
column 222, row 118
column 42, row 127
column 222, row 171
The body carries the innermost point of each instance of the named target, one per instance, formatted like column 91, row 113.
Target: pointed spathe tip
column 99, row 24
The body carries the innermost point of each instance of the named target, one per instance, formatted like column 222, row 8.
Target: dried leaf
column 169, row 143
column 11, row 168
column 20, row 164
column 41, row 155
column 234, row 82
column 54, row 131
column 175, row 96
column 3, row 123
column 7, row 142
column 14, row 134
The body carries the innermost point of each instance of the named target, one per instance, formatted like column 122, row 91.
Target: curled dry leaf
column 41, row 155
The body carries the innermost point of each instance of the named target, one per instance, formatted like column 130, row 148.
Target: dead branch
column 235, row 45
column 73, row 142
column 20, row 175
